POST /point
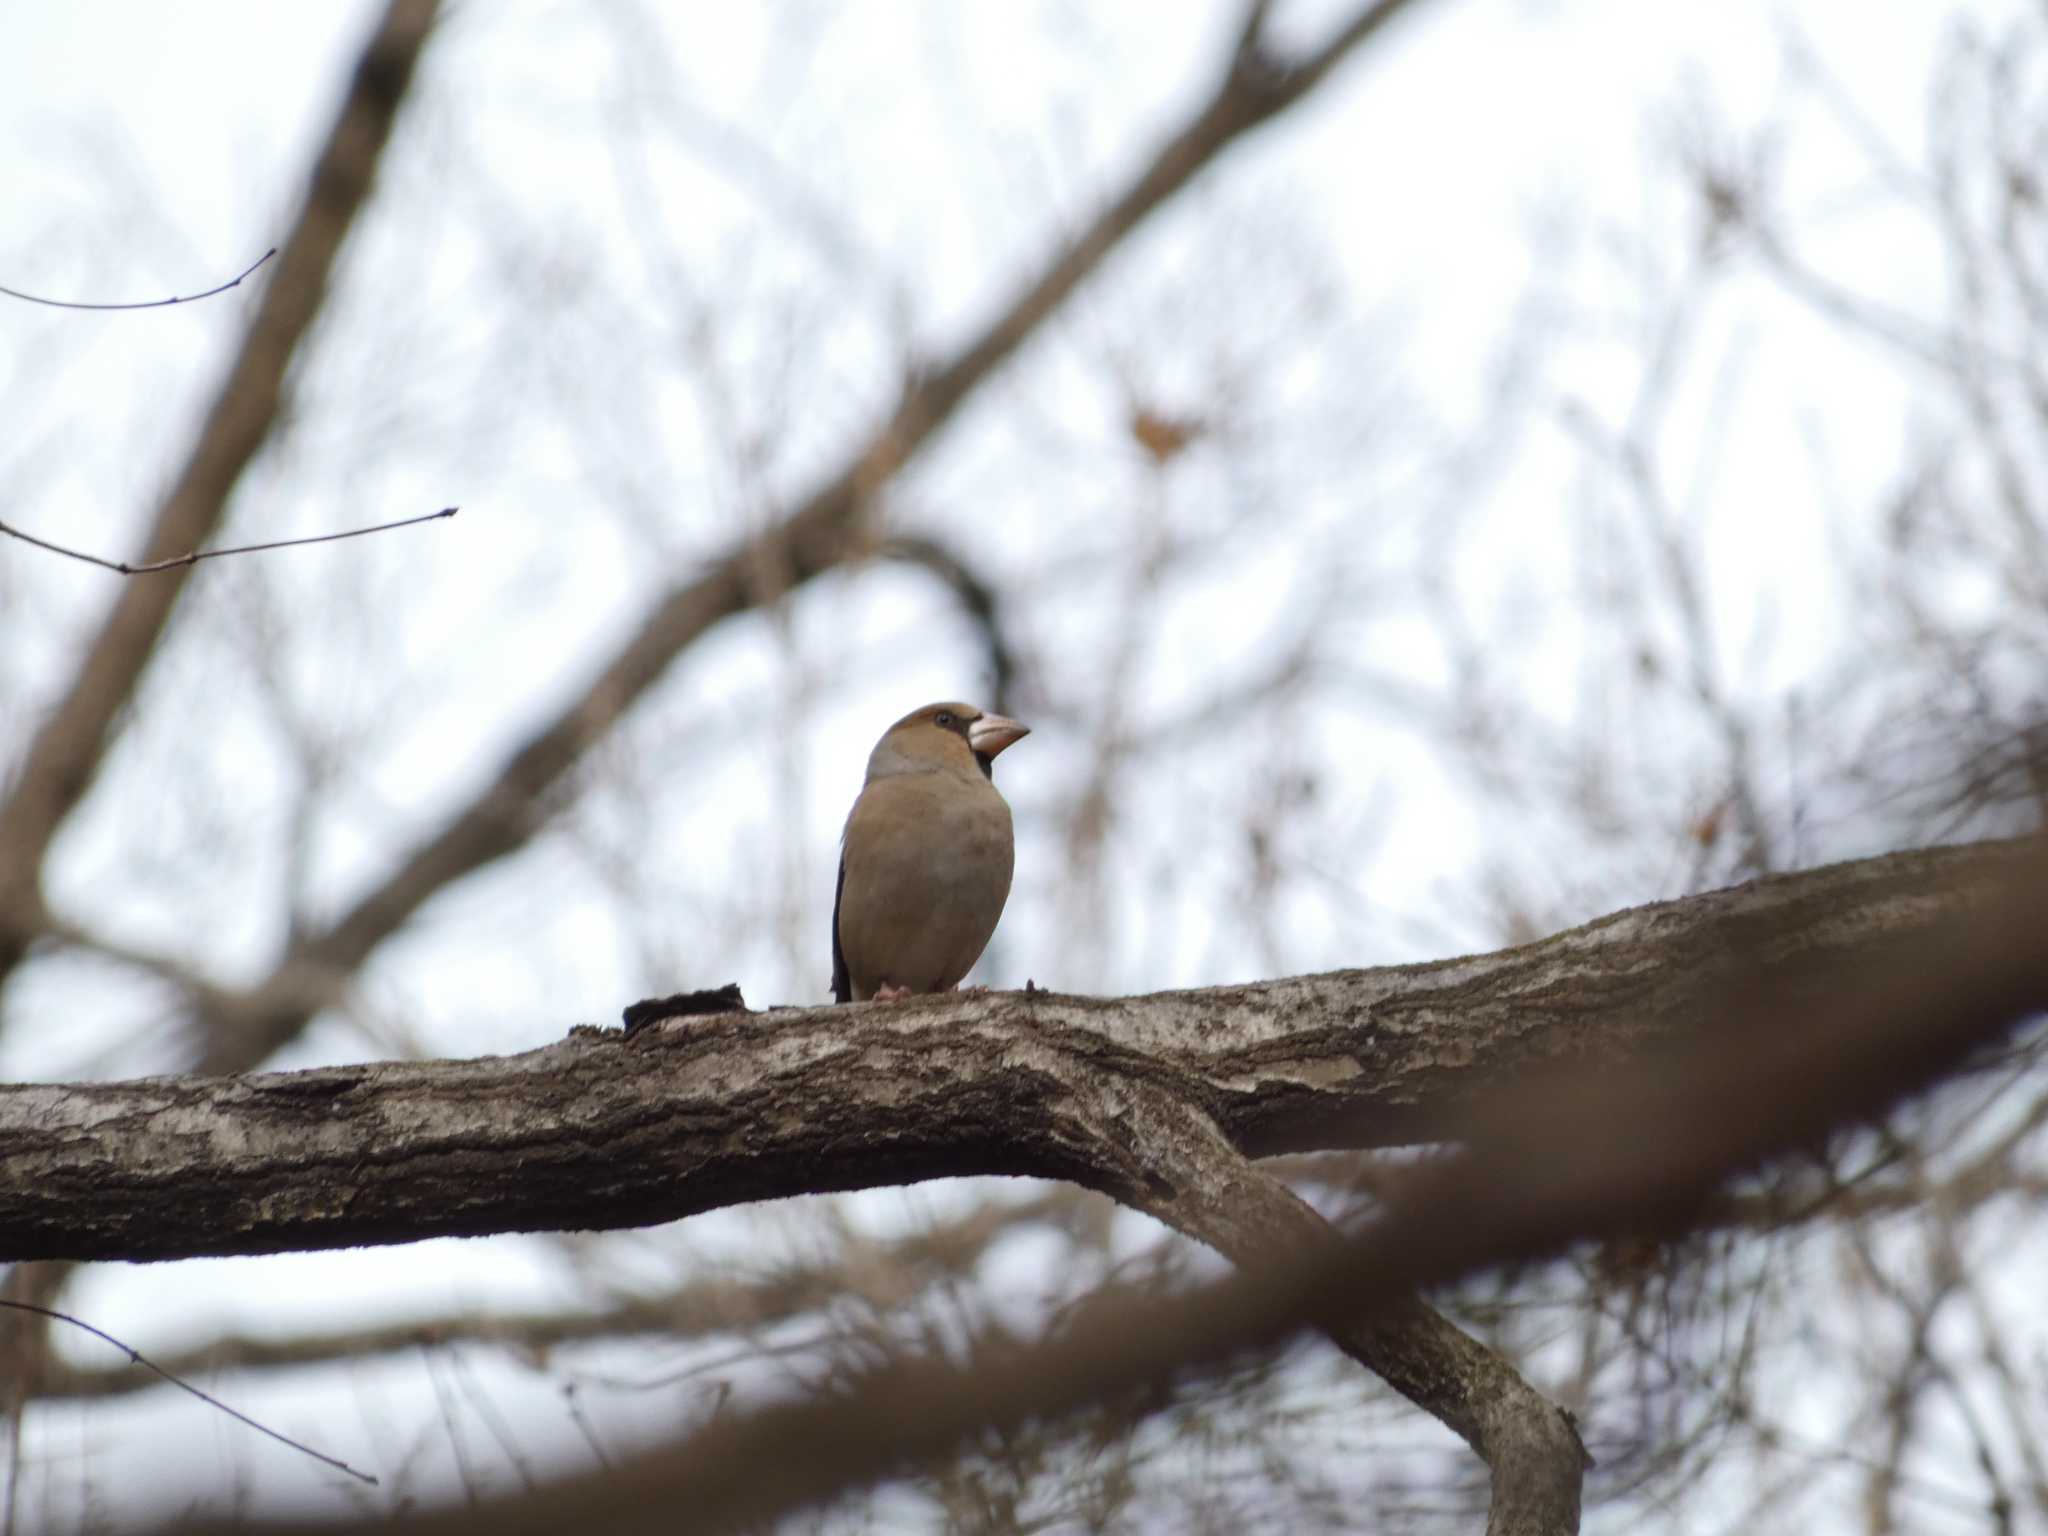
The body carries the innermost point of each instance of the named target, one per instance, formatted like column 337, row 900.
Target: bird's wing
column 842, row 982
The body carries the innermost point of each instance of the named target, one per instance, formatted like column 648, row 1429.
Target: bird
column 925, row 860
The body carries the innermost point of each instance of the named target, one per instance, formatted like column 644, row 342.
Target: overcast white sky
column 148, row 149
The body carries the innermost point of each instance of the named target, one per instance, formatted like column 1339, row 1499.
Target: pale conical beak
column 991, row 733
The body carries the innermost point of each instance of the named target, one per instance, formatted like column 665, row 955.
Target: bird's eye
column 946, row 718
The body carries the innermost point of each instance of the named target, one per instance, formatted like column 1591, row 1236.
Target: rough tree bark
column 594, row 1131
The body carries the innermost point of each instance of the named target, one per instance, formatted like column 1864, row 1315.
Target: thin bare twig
column 143, row 1360
column 198, row 555
column 176, row 298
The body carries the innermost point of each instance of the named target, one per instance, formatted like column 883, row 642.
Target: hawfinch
column 924, row 863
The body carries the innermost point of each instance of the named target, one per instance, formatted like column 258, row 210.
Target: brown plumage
column 924, row 863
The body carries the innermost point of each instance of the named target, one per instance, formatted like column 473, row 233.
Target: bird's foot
column 972, row 991
column 890, row 994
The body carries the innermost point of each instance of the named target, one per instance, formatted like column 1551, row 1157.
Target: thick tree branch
column 66, row 753
column 594, row 1132
column 1195, row 1180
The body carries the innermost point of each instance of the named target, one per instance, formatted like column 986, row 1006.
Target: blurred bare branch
column 885, row 1275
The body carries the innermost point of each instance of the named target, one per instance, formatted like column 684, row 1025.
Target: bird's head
column 943, row 736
